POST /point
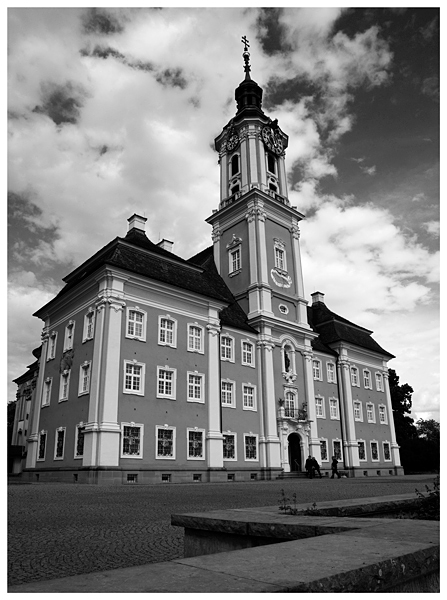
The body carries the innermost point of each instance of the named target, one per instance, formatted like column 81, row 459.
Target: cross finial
column 245, row 42
column 246, row 55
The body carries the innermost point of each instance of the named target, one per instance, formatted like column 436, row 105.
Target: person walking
column 334, row 468
column 308, row 466
column 315, row 466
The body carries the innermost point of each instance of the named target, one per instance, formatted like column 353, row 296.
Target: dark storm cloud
column 62, row 103
column 430, row 87
column 99, row 20
column 271, row 32
column 172, row 77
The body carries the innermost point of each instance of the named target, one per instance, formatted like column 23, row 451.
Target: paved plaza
column 58, row 530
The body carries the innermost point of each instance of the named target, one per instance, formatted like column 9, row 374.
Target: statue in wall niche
column 286, row 360
column 66, row 360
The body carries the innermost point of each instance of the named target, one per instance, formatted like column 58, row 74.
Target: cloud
column 101, row 21
column 433, row 228
column 369, row 170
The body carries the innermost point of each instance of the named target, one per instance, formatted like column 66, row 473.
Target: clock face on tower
column 232, row 141
column 272, row 140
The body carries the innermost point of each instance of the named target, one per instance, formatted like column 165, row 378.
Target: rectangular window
column 166, row 382
column 319, row 407
column 52, row 346
column 227, row 393
column 374, row 451
column 229, row 446
column 165, row 442
column 227, row 348
column 132, row 446
column 196, row 448
column 331, row 373
column 235, row 260
column 248, row 354
column 195, row 338
column 167, row 332
column 316, row 366
column 290, row 405
column 248, row 397
column 46, row 398
column 382, row 415
column 367, row 379
column 379, row 382
column 136, row 324
column 386, row 451
column 336, row 446
column 354, row 376
column 280, row 259
column 358, row 413
column 370, row 413
column 69, row 332
column 323, row 449
column 64, row 386
column 195, row 387
column 134, row 378
column 42, row 445
column 251, row 447
column 79, row 442
column 84, row 378
column 59, row 444
column 89, row 326
column 362, row 450
column 333, row 408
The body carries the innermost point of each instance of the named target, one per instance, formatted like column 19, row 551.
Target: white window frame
column 280, row 256
column 246, row 396
column 386, row 443
column 233, row 393
column 41, row 433
column 373, row 413
column 364, row 445
column 382, row 411
column 65, row 374
column 331, row 375
column 162, row 318
column 200, row 338
column 336, row 416
column 174, row 436
column 235, row 260
column 355, row 381
column 316, row 369
column 139, row 426
column 357, row 404
column 58, row 430
column 231, row 433
column 52, row 341
column 69, row 335
column 327, row 459
column 77, row 428
column 172, row 395
column 195, row 430
column 253, row 435
column 86, row 366
column 244, row 353
column 379, row 382
column 370, row 448
column 223, row 337
column 133, row 336
column 337, row 441
column 323, row 408
column 288, row 347
column 141, row 377
column 290, row 402
column 46, row 392
column 201, row 398
column 89, row 325
column 367, row 381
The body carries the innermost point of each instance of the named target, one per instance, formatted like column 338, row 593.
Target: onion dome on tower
column 248, row 94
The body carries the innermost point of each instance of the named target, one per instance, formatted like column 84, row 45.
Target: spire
column 248, row 95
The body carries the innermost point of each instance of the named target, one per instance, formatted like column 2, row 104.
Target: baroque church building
column 157, row 369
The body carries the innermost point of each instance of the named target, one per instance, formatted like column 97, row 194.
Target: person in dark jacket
column 334, row 468
column 315, row 466
column 308, row 466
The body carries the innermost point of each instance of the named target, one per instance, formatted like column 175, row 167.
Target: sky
column 114, row 111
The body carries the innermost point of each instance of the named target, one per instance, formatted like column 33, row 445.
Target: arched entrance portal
column 295, row 458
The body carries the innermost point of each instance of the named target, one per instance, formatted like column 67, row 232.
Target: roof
column 333, row 328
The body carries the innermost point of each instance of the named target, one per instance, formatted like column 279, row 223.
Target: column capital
column 295, row 231
column 215, row 235
column 213, row 329
column 385, row 374
column 307, row 355
column 255, row 211
column 344, row 363
column 107, row 299
column 267, row 344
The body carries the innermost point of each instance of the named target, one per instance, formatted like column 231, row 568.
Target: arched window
column 234, row 165
column 235, row 189
column 271, row 163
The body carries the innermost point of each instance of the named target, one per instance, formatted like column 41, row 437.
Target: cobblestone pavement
column 57, row 530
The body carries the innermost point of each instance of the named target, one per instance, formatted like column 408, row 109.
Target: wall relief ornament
column 280, row 279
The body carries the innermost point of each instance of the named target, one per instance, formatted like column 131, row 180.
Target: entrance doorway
column 295, row 460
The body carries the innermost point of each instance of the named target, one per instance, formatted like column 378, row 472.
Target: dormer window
column 234, row 165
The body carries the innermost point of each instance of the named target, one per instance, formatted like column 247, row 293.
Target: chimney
column 137, row 222
column 317, row 297
column 166, row 245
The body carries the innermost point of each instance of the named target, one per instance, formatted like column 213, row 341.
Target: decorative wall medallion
column 281, row 280
column 283, row 309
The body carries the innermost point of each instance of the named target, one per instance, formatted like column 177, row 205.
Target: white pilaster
column 216, row 246
column 271, row 434
column 314, row 440
column 394, row 445
column 346, row 406
column 261, row 402
column 253, row 172
column 214, row 437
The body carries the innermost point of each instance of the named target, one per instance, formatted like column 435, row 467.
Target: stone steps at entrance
column 292, row 475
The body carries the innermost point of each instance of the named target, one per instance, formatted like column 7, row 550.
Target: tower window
column 234, row 189
column 234, row 165
column 271, row 163
column 273, row 187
